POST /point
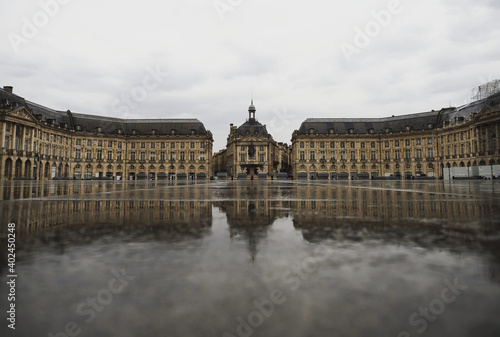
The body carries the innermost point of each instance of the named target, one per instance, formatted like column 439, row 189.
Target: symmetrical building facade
column 408, row 146
column 251, row 151
column 41, row 143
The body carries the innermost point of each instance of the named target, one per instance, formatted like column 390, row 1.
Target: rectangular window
column 407, row 142
column 342, row 145
column 110, row 155
column 78, row 142
column 143, row 155
column 362, row 145
column 311, row 145
column 312, row 155
column 332, row 155
column 99, row 154
column 332, row 145
column 152, row 156
column 396, row 143
column 419, row 153
column 397, row 155
column 119, row 155
column 172, row 155
column 373, row 155
column 99, row 143
column 353, row 145
column 89, row 154
column 418, row 141
column 242, row 157
column 182, row 155
column 191, row 145
column 191, row 155
column 302, row 155
column 202, row 145
column 132, row 155
column 110, row 143
column 429, row 141
column 78, row 154
column 342, row 155
column 322, row 145
column 182, row 145
column 202, row 155
column 261, row 158
column 153, row 145
column 7, row 127
column 89, row 142
column 387, row 155
column 242, row 148
column 430, row 153
column 322, row 155
column 261, row 148
column 132, row 145
column 408, row 154
column 162, row 155
column 363, row 155
column 301, row 145
column 143, row 145
column 353, row 155
column 386, row 144
column 172, row 145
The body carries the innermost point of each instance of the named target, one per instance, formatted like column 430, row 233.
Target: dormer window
column 78, row 127
column 311, row 131
column 331, row 131
column 119, row 131
column 430, row 126
column 350, row 131
column 371, row 131
column 172, row 132
column 154, row 132
column 98, row 129
column 134, row 131
column 388, row 130
column 408, row 128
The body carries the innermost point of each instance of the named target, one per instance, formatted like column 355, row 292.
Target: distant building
column 408, row 146
column 42, row 143
column 251, row 150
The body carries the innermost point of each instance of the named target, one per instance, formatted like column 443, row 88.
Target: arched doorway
column 46, row 171
column 18, row 167
column 27, row 169
column 8, row 169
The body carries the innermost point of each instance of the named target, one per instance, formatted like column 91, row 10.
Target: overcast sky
column 204, row 58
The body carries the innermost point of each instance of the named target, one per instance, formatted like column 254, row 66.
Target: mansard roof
column 102, row 124
column 417, row 121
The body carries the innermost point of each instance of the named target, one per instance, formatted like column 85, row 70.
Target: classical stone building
column 41, row 143
column 251, row 150
column 415, row 145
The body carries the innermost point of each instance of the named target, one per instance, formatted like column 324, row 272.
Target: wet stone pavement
column 252, row 258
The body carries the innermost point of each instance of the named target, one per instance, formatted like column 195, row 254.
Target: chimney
column 8, row 88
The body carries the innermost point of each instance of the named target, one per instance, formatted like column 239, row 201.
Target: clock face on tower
column 251, row 151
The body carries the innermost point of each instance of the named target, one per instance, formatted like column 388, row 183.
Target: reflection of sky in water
column 202, row 255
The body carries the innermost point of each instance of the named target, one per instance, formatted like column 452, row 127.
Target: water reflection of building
column 59, row 204
column 250, row 211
